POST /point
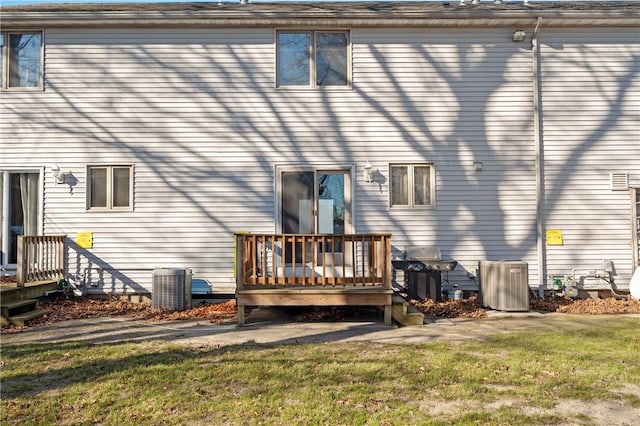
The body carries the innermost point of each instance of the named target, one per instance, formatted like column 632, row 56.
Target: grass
column 509, row 379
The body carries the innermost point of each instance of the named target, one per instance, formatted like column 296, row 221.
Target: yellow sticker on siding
column 84, row 240
column 554, row 237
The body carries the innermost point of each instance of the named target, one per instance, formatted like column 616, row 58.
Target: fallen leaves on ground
column 218, row 313
column 609, row 305
column 549, row 304
column 463, row 308
column 471, row 307
column 81, row 308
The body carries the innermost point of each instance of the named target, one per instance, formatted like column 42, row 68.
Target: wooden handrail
column 40, row 257
column 312, row 260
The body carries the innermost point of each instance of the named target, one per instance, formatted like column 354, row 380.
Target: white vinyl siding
column 206, row 127
column 591, row 100
column 450, row 97
column 198, row 114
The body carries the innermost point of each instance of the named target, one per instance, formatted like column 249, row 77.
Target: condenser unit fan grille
column 171, row 289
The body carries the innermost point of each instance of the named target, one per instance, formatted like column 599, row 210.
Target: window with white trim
column 312, row 59
column 412, row 185
column 21, row 59
column 109, row 187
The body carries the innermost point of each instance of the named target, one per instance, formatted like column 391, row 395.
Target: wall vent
column 619, row 181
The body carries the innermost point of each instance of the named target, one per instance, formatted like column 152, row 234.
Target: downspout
column 539, row 160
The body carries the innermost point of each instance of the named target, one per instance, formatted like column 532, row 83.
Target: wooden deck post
column 387, row 314
column 21, row 272
column 241, row 315
column 239, row 271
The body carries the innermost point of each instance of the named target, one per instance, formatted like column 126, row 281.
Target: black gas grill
column 423, row 269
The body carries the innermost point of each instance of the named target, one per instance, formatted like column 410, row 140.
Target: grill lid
column 424, row 258
column 422, row 252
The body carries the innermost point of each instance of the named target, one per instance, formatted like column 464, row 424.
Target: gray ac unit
column 171, row 289
column 504, row 285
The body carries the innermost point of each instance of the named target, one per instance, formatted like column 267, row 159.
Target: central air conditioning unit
column 171, row 289
column 504, row 285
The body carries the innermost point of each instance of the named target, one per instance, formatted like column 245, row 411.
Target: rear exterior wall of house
column 197, row 114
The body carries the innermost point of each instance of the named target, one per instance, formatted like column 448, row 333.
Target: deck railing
column 312, row 260
column 40, row 258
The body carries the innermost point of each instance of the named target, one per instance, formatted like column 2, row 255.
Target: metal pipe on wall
column 539, row 152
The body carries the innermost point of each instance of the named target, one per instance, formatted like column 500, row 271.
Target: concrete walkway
column 273, row 327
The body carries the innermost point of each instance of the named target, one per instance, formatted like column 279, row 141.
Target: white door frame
column 4, row 211
column 349, row 169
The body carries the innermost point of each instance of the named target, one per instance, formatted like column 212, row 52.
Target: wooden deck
column 10, row 292
column 40, row 265
column 313, row 270
column 40, row 258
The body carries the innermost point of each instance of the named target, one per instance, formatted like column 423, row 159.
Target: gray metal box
column 171, row 289
column 504, row 285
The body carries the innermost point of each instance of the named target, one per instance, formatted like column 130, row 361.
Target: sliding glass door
column 314, row 202
column 20, row 205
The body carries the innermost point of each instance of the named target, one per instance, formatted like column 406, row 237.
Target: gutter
column 539, row 159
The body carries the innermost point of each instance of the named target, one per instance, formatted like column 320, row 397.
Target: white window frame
column 109, row 196
column 312, row 59
column 411, row 186
column 5, row 61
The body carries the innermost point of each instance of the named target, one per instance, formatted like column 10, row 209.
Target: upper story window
column 312, row 59
column 21, row 59
column 412, row 185
column 110, row 187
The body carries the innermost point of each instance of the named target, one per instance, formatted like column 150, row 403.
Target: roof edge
column 356, row 14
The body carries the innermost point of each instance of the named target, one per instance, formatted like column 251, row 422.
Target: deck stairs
column 20, row 311
column 405, row 314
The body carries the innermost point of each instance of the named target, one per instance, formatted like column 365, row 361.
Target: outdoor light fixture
column 477, row 166
column 368, row 171
column 58, row 175
column 519, row 35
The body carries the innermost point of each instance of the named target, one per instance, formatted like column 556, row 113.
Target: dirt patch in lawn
column 571, row 411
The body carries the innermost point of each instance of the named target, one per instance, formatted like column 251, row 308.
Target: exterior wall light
column 58, row 175
column 368, row 171
column 519, row 36
column 477, row 166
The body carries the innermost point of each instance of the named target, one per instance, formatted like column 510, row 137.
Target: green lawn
column 508, row 379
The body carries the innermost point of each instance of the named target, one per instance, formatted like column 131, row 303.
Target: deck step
column 19, row 320
column 407, row 315
column 9, row 309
